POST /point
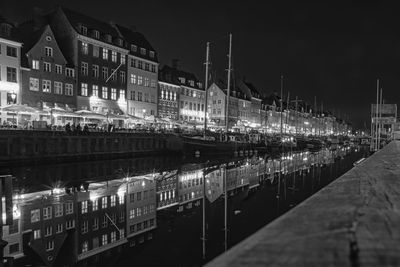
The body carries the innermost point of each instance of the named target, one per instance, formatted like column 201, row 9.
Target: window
column 59, row 69
column 95, row 71
column 36, row 234
column 69, row 208
column 48, row 51
column 35, row 64
column 133, row 97
column 104, row 199
column 83, row 30
column 121, row 233
column 145, row 209
column 105, row 73
column 104, row 95
column 153, row 68
column 133, row 48
column 69, row 72
column 96, row 51
column 47, row 213
column 95, row 90
column 153, row 98
column 113, row 94
column 47, row 66
column 113, row 75
column 105, row 54
column 14, row 248
column 122, row 76
column 95, row 224
column 48, row 231
column 85, row 246
column 143, row 51
column 146, row 97
column 140, row 64
column 96, row 34
column 11, row 51
column 122, row 216
column 95, row 205
column 84, row 89
column 104, row 223
column 151, row 208
column 146, row 66
column 133, row 78
column 84, row 227
column 138, row 212
column 70, row 224
column 114, row 56
column 46, row 86
column 58, row 88
column 104, row 239
column 95, row 243
column 69, row 89
column 153, row 83
column 85, row 48
column 11, row 75
column 49, row 245
column 140, row 80
column 33, row 84
column 112, row 200
column 121, row 97
column 84, row 68
column 132, row 213
column 59, row 228
column 133, row 63
column 84, row 207
column 113, row 236
column 146, row 82
column 151, row 53
column 123, row 59
column 132, row 228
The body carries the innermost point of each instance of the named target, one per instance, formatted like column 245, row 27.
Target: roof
column 12, row 36
column 138, row 39
column 174, row 74
column 236, row 89
column 76, row 19
column 253, row 90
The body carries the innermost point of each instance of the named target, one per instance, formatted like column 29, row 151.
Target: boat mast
column 376, row 117
column 204, row 212
column 206, row 89
column 379, row 120
column 297, row 118
column 288, row 111
column 281, row 106
column 229, row 83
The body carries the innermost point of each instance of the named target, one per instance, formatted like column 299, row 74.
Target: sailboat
column 226, row 143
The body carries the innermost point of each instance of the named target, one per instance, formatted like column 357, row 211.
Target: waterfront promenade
column 354, row 221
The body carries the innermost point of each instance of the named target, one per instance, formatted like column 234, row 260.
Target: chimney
column 175, row 63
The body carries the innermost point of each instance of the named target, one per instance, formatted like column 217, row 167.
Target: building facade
column 142, row 74
column 47, row 79
column 99, row 57
column 10, row 67
column 168, row 95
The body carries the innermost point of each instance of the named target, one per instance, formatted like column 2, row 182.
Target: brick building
column 168, row 95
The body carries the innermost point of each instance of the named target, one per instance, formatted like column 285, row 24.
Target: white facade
column 10, row 73
column 192, row 104
column 142, row 87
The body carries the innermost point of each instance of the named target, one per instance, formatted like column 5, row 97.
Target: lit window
column 36, row 234
column 85, row 246
column 113, row 236
column 105, row 54
column 113, row 56
column 140, row 80
column 133, row 78
column 146, row 82
column 85, row 226
column 104, row 239
column 95, row 90
column 104, row 199
column 35, row 64
column 123, row 59
column 47, row 213
column 113, row 94
column 112, row 200
column 85, row 48
column 95, row 205
column 84, row 89
column 84, row 207
column 104, row 95
column 132, row 213
column 46, row 86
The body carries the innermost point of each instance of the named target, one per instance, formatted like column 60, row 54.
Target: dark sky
column 332, row 50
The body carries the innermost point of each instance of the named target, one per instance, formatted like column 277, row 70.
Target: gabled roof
column 177, row 73
column 29, row 35
column 138, row 39
column 253, row 90
column 236, row 89
column 76, row 19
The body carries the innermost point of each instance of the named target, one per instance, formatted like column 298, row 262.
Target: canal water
column 164, row 211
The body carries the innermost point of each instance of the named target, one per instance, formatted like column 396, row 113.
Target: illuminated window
column 114, row 97
column 84, row 207
column 58, row 88
column 46, row 86
column 104, row 94
column 122, row 97
column 105, row 54
column 36, row 234
column 104, row 202
column 85, row 48
column 104, row 239
column 114, row 56
column 112, row 200
column 33, row 84
column 85, row 246
column 95, row 90
column 35, row 64
column 84, row 89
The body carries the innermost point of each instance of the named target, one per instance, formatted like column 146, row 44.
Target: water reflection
column 115, row 212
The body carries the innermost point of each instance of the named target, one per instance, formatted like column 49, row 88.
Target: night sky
column 333, row 51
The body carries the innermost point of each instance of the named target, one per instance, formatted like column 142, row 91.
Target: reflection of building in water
column 101, row 214
column 190, row 186
column 214, row 183
column 141, row 206
column 167, row 188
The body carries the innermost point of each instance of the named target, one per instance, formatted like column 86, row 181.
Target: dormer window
column 107, row 37
column 151, row 54
column 191, row 82
column 5, row 29
column 199, row 84
column 119, row 41
column 182, row 80
column 96, row 34
column 83, row 29
column 143, row 51
column 133, row 48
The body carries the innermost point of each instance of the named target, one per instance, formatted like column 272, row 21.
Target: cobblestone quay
column 52, row 146
column 354, row 221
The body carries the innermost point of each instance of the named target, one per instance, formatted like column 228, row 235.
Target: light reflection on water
column 156, row 211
